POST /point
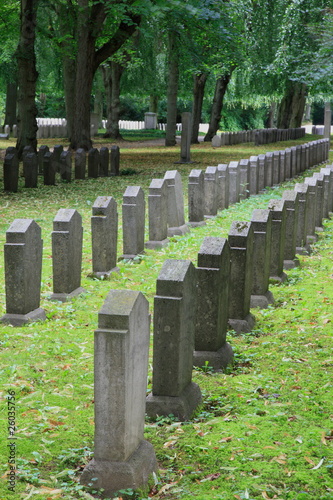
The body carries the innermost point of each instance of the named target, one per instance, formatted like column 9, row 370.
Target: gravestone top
column 210, row 253
column 101, row 204
column 170, row 281
column 16, row 233
column 260, row 215
column 115, row 311
column 233, row 164
column 156, row 184
column 131, row 193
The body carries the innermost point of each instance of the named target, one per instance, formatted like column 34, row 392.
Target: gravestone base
column 303, row 250
column 179, row 230
column 155, row 245
column 276, row 280
column 242, row 325
column 197, row 224
column 218, row 360
column 319, row 229
column 310, row 239
column 66, row 297
column 101, row 275
column 21, row 319
column 134, row 473
column 291, row 264
column 262, row 301
column 131, row 256
column 181, row 406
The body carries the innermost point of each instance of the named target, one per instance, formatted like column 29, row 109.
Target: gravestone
column 114, row 160
column 222, row 186
column 282, row 174
column 241, row 270
column 93, row 163
column 11, row 172
column 57, row 150
column 185, row 141
column 291, row 202
column 196, row 198
column 49, row 169
column 66, row 254
column 244, row 179
column 324, row 181
column 234, row 183
column 288, row 164
column 174, row 319
column 254, row 175
column 262, row 173
column 269, row 169
column 66, row 166
column 80, row 163
column 26, row 150
column 157, row 214
column 212, row 305
column 278, row 209
column 312, row 204
column 123, row 459
column 104, row 236
column 302, row 247
column 23, row 270
column 41, row 152
column 317, row 190
column 262, row 233
column 217, row 141
column 175, row 203
column 210, row 192
column 104, row 162
column 30, row 167
column 328, row 173
column 150, row 121
column 293, row 161
column 276, row 168
column 133, row 215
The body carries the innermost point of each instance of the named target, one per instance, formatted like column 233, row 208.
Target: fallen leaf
column 281, row 459
column 309, row 460
column 166, row 487
column 226, row 439
column 169, row 444
column 319, row 464
column 323, row 439
column 211, row 477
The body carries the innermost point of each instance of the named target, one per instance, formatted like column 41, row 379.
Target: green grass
column 265, row 428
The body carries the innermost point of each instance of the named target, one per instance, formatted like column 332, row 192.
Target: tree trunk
column 198, row 95
column 172, row 91
column 269, row 122
column 27, row 78
column 112, row 75
column 68, row 67
column 291, row 109
column 153, row 103
column 215, row 117
column 11, row 104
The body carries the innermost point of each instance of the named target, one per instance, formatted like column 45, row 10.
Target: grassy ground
column 265, row 428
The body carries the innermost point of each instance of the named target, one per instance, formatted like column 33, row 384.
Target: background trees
column 202, row 56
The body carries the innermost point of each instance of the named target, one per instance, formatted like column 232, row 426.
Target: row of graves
column 258, row 136
column 194, row 305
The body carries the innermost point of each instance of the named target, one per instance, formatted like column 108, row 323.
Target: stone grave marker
column 210, row 192
column 11, row 172
column 104, row 236
column 291, row 202
column 175, row 203
column 196, row 198
column 66, row 166
column 30, row 167
column 157, row 214
column 49, row 169
column 222, row 186
column 80, row 163
column 114, row 160
column 104, row 156
column 93, row 163
column 133, row 214
column 278, row 209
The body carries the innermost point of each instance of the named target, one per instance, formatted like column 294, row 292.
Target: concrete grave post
column 122, row 457
column 104, row 236
column 254, row 175
column 93, row 163
column 133, row 215
column 317, row 189
column 244, row 179
column 41, row 152
column 114, row 160
column 104, row 156
column 23, row 270
column 269, row 169
column 278, row 209
column 57, row 150
column 241, row 272
column 222, row 186
column 210, row 192
column 212, row 304
column 262, row 234
column 185, row 142
column 196, row 198
column 282, row 174
column 67, row 254
column 80, row 162
column 276, row 167
column 66, row 166
column 324, row 182
column 49, row 169
column 175, row 202
column 298, row 160
column 302, row 247
column 291, row 202
column 30, row 167
column 174, row 320
column 157, row 214
column 234, row 183
column 293, row 162
column 261, row 173
column 288, row 163
column 328, row 173
column 312, row 204
column 10, row 172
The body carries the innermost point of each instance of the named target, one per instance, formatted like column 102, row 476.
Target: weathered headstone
column 122, row 458
column 80, row 163
column 133, row 215
column 316, row 189
column 57, row 150
column 175, row 202
column 212, row 305
column 217, row 141
column 11, row 172
column 41, row 152
column 114, row 160
column 49, row 169
column 241, row 269
column 104, row 162
column 244, row 179
column 254, row 175
column 210, row 192
column 185, row 142
column 278, row 209
column 302, row 247
column 262, row 173
column 196, row 198
column 66, row 166
column 174, row 317
column 93, row 163
column 150, row 120
column 276, row 168
column 104, row 236
column 67, row 254
column 222, row 186
column 282, row 174
column 291, row 202
column 234, row 184
column 30, row 167
column 157, row 214
column 262, row 233
column 23, row 269
column 269, row 169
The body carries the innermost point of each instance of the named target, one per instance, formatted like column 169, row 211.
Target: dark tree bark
column 291, row 108
column 172, row 91
column 198, row 95
column 153, row 103
column 112, row 75
column 11, row 104
column 215, row 116
column 27, row 78
column 269, row 122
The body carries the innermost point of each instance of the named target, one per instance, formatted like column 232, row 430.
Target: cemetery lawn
column 265, row 428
